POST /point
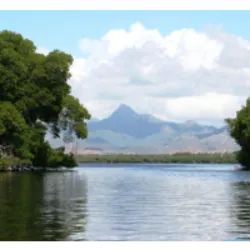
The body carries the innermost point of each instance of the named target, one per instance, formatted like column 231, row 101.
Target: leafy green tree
column 240, row 131
column 34, row 99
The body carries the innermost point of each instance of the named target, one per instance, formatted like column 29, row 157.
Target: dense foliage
column 34, row 99
column 164, row 158
column 240, row 131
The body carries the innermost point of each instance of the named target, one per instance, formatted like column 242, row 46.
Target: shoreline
column 34, row 169
column 111, row 163
column 63, row 169
column 11, row 164
column 111, row 159
column 184, row 158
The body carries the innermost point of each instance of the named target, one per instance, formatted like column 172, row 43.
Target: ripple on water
column 128, row 202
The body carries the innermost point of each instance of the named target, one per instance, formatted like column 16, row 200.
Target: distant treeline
column 160, row 158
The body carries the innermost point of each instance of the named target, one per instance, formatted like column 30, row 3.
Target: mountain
column 126, row 121
column 126, row 131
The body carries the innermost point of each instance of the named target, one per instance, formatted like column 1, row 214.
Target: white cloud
column 205, row 108
column 180, row 76
column 42, row 50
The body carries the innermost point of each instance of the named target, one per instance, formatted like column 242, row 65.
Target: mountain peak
column 124, row 110
column 123, row 106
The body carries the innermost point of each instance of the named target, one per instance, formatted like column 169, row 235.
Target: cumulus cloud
column 183, row 75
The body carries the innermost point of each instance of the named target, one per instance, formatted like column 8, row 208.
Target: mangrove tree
column 35, row 99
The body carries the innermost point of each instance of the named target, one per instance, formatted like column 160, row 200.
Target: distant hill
column 126, row 121
column 126, row 131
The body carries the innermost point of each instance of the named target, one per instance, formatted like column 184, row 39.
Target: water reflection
column 127, row 203
column 240, row 210
column 42, row 206
column 144, row 204
column 173, row 203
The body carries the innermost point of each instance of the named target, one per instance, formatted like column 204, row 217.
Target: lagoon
column 128, row 202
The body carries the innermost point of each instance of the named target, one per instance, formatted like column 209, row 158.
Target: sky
column 175, row 65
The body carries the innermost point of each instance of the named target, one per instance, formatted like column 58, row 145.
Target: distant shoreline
column 161, row 158
column 34, row 169
column 177, row 158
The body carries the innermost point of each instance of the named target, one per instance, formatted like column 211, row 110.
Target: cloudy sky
column 174, row 65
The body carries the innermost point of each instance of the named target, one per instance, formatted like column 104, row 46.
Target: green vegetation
column 35, row 207
column 34, row 99
column 174, row 158
column 240, row 131
column 6, row 162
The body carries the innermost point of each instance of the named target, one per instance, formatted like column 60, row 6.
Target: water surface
column 127, row 202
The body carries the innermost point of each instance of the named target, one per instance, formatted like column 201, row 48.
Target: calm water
column 127, row 202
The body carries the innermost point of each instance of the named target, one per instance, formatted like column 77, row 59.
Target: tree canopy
column 34, row 99
column 240, row 130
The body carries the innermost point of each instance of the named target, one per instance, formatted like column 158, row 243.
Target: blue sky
column 63, row 29
column 178, row 72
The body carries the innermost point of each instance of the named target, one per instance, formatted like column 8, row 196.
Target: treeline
column 35, row 97
column 160, row 158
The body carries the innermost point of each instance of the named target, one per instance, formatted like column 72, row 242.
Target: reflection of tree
column 64, row 204
column 42, row 206
column 240, row 209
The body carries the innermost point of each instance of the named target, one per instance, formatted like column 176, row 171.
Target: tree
column 34, row 99
column 239, row 128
